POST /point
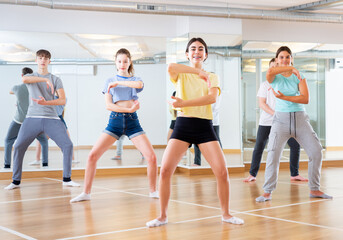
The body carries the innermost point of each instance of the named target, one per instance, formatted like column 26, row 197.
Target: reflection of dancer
column 121, row 98
column 196, row 91
column 215, row 121
column 290, row 120
column 119, row 143
column 42, row 118
column 267, row 104
column 22, row 95
column 173, row 114
column 120, row 148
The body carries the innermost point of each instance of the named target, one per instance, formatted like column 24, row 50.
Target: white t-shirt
column 265, row 92
column 215, row 111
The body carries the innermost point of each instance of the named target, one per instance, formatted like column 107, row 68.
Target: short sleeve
column 302, row 76
column 15, row 88
column 215, row 82
column 263, row 91
column 58, row 83
column 137, row 79
column 106, row 86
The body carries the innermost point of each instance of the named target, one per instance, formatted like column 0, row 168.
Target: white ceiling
column 76, row 46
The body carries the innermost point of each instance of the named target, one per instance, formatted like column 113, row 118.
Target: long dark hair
column 127, row 53
column 283, row 48
column 197, row 40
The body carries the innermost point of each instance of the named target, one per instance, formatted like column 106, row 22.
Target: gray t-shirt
column 22, row 95
column 40, row 89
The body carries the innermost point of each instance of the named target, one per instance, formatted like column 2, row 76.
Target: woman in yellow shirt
column 196, row 91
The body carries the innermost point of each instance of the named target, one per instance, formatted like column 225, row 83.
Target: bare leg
column 143, row 145
column 215, row 157
column 101, row 146
column 38, row 150
column 170, row 131
column 171, row 157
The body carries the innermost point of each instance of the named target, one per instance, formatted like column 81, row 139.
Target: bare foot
column 319, row 194
column 299, row 178
column 249, row 179
column 316, row 193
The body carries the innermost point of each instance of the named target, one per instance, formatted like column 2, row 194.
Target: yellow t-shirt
column 189, row 86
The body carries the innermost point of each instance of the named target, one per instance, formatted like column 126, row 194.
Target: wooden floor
column 119, row 208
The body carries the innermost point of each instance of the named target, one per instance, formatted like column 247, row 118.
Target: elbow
column 24, row 79
column 171, row 68
column 108, row 107
column 63, row 101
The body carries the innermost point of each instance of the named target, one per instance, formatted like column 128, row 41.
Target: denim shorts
column 123, row 124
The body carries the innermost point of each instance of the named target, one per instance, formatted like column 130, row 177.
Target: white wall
column 333, row 106
column 283, row 31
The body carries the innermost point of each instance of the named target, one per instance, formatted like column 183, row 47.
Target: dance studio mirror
column 84, row 62
column 317, row 61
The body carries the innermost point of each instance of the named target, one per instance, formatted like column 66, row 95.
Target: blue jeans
column 261, row 141
column 197, row 152
column 12, row 135
column 124, row 124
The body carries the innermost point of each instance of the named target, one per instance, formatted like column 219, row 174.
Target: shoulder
column 212, row 75
column 136, row 78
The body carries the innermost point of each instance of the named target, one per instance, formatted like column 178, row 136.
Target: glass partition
column 84, row 62
column 309, row 58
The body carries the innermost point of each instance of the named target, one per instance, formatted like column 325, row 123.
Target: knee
column 165, row 174
column 222, row 175
column 93, row 157
column 316, row 154
column 151, row 158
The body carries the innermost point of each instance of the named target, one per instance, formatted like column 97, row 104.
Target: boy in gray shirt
column 42, row 117
column 22, row 95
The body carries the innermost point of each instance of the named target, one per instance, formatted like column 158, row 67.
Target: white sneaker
column 71, row 184
column 36, row 162
column 11, row 186
column 82, row 197
column 154, row 194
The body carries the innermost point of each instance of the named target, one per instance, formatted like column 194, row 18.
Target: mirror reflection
column 315, row 61
column 83, row 62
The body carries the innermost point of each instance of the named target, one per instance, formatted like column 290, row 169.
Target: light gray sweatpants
column 296, row 125
column 30, row 129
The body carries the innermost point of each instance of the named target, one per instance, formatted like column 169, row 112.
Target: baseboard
column 337, row 148
column 302, row 164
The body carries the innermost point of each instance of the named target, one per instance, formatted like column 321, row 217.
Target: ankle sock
column 82, row 197
column 156, row 223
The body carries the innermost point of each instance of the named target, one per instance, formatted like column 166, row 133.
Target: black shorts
column 194, row 130
column 172, row 124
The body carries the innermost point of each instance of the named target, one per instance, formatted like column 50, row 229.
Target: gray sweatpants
column 296, row 125
column 30, row 129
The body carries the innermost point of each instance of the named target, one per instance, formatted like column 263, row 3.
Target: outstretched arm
column 34, row 79
column 175, row 69
column 115, row 108
column 131, row 84
column 273, row 71
column 201, row 101
column 303, row 98
column 59, row 101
